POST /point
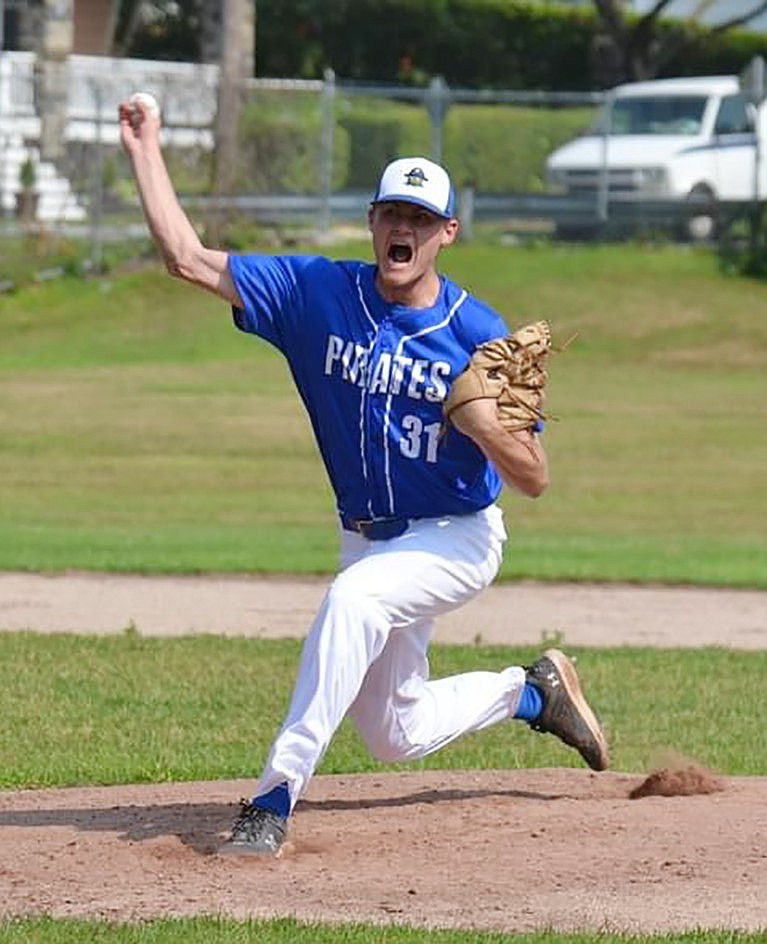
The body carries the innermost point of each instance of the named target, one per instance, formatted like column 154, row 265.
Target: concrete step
column 54, row 212
column 57, row 201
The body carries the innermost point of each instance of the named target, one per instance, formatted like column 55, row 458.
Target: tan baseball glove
column 513, row 371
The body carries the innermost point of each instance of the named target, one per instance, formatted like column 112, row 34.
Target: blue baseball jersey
column 373, row 376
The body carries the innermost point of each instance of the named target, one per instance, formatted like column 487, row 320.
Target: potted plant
column 27, row 197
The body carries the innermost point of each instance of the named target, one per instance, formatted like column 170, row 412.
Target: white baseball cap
column 420, row 181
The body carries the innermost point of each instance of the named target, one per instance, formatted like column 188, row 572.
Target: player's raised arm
column 184, row 254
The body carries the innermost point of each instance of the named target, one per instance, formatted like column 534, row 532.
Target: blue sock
column 530, row 704
column 277, row 800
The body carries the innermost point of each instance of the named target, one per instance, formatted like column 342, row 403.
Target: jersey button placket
column 375, row 415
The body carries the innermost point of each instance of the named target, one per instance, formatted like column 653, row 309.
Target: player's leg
column 346, row 637
column 386, row 588
column 401, row 713
column 432, row 568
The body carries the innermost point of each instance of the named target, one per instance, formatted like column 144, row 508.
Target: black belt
column 376, row 529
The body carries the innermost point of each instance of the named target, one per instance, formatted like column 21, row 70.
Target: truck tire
column 701, row 219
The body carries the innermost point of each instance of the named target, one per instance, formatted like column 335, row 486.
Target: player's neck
column 422, row 292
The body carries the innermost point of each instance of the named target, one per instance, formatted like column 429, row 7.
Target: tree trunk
column 52, row 76
column 237, row 65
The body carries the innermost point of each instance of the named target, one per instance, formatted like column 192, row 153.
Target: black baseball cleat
column 566, row 713
column 256, row 831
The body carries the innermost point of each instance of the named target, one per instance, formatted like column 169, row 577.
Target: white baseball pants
column 366, row 652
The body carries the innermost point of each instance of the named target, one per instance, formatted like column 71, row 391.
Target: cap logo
column 415, row 178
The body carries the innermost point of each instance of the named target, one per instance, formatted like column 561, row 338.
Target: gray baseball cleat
column 566, row 713
column 256, row 831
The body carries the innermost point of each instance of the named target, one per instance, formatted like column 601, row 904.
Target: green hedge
column 502, row 149
column 280, row 149
column 496, row 148
column 502, row 44
column 471, row 43
column 379, row 130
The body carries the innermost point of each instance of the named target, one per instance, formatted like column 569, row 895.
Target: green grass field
column 142, row 432
column 130, row 709
column 218, row 931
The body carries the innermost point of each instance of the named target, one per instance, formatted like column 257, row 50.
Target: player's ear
column 371, row 211
column 450, row 231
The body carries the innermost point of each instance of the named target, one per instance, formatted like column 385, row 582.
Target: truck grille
column 589, row 181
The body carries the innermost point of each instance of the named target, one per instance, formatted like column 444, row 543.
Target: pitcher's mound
column 508, row 850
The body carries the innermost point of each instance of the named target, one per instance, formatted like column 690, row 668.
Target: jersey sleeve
column 479, row 323
column 269, row 287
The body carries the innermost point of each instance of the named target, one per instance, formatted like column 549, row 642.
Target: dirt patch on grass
column 687, row 780
column 519, row 613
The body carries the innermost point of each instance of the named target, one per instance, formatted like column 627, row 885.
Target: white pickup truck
column 686, row 139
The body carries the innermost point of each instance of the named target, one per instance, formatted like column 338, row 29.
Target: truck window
column 733, row 117
column 679, row 114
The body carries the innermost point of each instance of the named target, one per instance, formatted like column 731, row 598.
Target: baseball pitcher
column 423, row 405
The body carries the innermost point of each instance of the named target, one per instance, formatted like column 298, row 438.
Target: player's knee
column 389, row 739
column 390, row 747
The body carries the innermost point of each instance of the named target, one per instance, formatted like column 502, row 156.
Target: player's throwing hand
column 139, row 121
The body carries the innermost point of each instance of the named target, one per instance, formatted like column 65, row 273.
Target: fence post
column 437, row 104
column 466, row 210
column 326, row 147
column 603, row 188
column 5, row 107
column 753, row 82
column 96, row 210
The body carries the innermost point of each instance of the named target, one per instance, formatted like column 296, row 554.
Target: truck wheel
column 701, row 218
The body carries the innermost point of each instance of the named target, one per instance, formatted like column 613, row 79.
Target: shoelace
column 250, row 819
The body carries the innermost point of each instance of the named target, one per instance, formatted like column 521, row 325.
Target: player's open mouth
column 400, row 252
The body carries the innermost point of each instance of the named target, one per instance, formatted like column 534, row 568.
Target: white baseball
column 148, row 101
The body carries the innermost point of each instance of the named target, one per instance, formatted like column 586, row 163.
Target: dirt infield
column 523, row 613
column 510, row 850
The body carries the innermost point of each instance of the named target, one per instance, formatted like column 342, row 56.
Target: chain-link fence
column 307, row 154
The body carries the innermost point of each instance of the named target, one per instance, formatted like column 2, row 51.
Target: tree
column 632, row 46
column 158, row 29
